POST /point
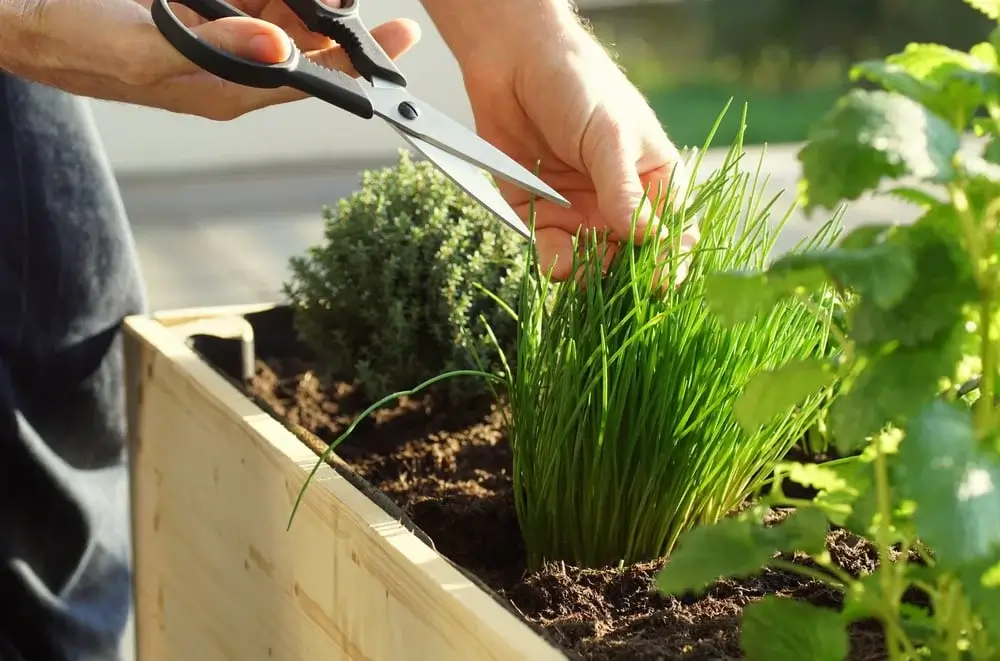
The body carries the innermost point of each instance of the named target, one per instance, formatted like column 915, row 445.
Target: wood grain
column 219, row 578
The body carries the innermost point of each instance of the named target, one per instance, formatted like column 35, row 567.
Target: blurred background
column 219, row 207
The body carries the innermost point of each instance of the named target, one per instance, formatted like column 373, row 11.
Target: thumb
column 246, row 37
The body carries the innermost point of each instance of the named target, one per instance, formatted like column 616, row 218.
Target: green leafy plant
column 392, row 294
column 622, row 389
column 922, row 483
column 622, row 400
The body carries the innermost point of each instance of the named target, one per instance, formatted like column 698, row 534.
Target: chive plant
column 621, row 391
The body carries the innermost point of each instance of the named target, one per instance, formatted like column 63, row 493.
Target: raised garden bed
column 642, row 419
column 217, row 576
column 219, row 459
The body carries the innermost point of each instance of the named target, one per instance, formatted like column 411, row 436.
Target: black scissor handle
column 344, row 25
column 334, row 87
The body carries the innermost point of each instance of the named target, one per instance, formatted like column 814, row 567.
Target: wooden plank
column 188, row 315
column 219, row 578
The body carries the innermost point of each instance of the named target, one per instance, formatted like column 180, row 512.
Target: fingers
column 556, row 232
column 246, row 37
column 250, row 38
column 395, row 37
column 267, row 43
column 613, row 161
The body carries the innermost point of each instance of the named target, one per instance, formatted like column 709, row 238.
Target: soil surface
column 449, row 471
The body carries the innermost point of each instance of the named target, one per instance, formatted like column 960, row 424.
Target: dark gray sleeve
column 68, row 275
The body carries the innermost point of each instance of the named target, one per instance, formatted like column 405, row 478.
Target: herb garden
column 773, row 458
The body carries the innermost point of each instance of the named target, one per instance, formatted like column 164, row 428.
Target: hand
column 566, row 103
column 110, row 49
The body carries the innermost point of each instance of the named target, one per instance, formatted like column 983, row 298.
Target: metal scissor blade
column 471, row 181
column 432, row 126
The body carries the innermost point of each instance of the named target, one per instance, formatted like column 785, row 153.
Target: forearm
column 10, row 18
column 470, row 27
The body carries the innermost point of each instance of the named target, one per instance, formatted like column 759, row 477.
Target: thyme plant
column 923, row 482
column 388, row 295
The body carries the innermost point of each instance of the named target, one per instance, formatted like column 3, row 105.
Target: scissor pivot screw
column 408, row 110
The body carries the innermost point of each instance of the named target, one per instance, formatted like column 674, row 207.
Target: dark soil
column 449, row 471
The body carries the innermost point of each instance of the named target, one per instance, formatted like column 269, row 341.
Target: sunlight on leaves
column 953, row 482
column 870, row 136
column 883, row 272
column 773, row 392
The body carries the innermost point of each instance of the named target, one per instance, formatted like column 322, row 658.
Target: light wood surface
column 217, row 575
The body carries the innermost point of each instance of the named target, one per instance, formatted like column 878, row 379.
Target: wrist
column 480, row 32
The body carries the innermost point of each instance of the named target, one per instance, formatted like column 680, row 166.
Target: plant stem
column 882, row 541
column 987, row 386
column 983, row 272
column 987, row 293
column 808, row 572
column 960, row 201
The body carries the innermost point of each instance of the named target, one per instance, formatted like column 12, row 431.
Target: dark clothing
column 68, row 275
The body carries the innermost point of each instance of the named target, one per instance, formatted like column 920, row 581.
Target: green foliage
column 619, row 381
column 816, row 634
column 808, row 29
column 394, row 293
column 923, row 319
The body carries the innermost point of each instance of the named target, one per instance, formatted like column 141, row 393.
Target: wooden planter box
column 217, row 575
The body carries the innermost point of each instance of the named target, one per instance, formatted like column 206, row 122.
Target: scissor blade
column 472, row 181
column 434, row 127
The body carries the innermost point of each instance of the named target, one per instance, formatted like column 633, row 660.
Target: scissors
column 454, row 149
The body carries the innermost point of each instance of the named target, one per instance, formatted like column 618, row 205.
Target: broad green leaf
column 990, row 8
column 943, row 284
column 983, row 126
column 992, row 151
column 925, row 61
column 870, row 136
column 841, row 489
column 738, row 548
column 739, row 297
column 865, row 236
column 882, row 272
column 953, row 83
column 863, row 597
column 986, row 53
column 891, row 388
column 861, row 519
column 893, row 78
column 815, row 476
column 783, row 629
column 954, row 483
column 771, row 393
column 981, row 585
column 915, row 196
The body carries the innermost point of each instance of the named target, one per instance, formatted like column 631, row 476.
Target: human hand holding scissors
column 380, row 91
